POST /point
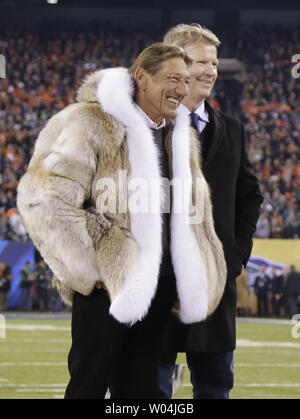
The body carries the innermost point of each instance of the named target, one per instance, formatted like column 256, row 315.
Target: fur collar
column 88, row 89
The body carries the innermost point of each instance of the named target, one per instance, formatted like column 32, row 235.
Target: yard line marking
column 38, row 316
column 66, row 340
column 252, row 320
column 35, row 327
column 32, row 386
column 254, row 344
column 271, row 385
column 263, row 365
column 32, row 364
column 239, row 365
column 18, row 350
column 268, row 365
column 40, row 390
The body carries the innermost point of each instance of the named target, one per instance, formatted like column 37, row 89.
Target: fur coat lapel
column 114, row 93
column 141, row 282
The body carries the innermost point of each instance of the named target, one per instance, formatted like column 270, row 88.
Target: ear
column 141, row 78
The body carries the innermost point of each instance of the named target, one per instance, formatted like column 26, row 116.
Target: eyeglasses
column 175, row 80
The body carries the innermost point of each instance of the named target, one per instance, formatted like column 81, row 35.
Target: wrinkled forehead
column 174, row 66
column 201, row 48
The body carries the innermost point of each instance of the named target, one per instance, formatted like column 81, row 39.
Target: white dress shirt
column 150, row 123
column 203, row 116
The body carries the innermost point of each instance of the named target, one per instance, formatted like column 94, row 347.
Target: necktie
column 194, row 120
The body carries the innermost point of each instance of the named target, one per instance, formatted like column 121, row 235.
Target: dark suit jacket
column 236, row 200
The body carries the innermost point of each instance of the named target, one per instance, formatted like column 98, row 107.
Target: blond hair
column 182, row 35
column 153, row 57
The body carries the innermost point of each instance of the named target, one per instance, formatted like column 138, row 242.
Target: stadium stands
column 45, row 71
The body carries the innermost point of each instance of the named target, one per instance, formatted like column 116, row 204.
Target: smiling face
column 203, row 72
column 159, row 95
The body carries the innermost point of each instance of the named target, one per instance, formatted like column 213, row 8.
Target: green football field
column 34, row 353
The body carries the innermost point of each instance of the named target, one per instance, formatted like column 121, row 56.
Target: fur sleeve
column 50, row 199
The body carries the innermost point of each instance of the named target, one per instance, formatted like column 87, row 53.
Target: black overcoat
column 236, row 200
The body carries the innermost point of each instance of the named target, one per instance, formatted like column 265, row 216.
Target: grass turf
column 33, row 361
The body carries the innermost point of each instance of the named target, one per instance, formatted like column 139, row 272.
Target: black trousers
column 262, row 305
column 212, row 375
column 107, row 354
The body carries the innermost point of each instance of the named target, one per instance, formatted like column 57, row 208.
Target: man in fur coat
column 236, row 200
column 92, row 202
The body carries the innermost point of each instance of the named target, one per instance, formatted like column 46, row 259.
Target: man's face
column 160, row 95
column 203, row 71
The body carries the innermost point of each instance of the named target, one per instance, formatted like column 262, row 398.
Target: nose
column 210, row 69
column 182, row 88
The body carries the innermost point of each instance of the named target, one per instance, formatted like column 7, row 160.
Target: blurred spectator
column 3, row 225
column 5, row 281
column 54, row 299
column 292, row 230
column 276, row 225
column 261, row 288
column 27, row 279
column 41, row 276
column 277, row 292
column 263, row 228
column 252, row 303
column 16, row 223
column 291, row 292
column 243, row 294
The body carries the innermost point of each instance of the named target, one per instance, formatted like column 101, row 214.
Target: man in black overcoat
column 236, row 200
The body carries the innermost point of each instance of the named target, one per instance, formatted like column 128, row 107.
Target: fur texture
column 99, row 137
column 190, row 274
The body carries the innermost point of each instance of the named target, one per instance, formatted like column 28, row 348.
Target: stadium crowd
column 45, row 69
column 270, row 109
